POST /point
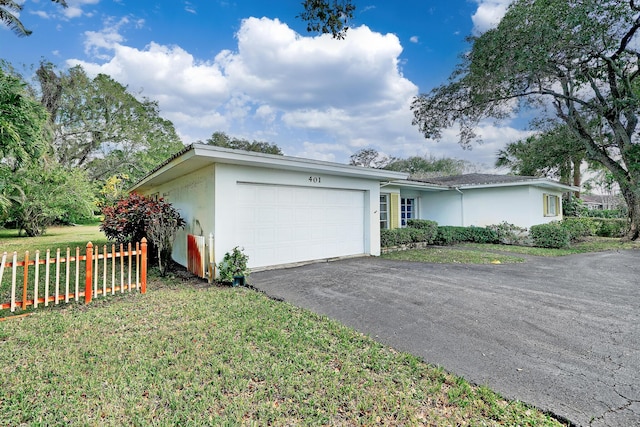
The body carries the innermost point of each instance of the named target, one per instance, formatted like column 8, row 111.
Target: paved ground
column 560, row 333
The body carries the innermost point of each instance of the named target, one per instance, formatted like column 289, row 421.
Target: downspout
column 461, row 206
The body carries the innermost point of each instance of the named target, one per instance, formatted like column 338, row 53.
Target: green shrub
column 551, row 235
column 606, row 213
column 573, row 207
column 387, row 238
column 579, row 227
column 429, row 229
column 450, row 235
column 404, row 236
column 509, row 234
column 613, row 227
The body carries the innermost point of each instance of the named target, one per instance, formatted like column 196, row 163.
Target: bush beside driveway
column 559, row 333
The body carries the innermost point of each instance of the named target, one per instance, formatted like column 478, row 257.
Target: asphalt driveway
column 562, row 333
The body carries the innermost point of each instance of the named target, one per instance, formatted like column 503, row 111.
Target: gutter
column 461, row 205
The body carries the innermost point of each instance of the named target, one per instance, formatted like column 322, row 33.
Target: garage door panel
column 281, row 224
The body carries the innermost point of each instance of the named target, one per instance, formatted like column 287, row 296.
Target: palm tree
column 8, row 9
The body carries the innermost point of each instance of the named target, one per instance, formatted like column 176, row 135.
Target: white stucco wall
column 193, row 195
column 519, row 205
column 444, row 207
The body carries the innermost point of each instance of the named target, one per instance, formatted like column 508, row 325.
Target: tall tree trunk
column 577, row 176
column 633, row 203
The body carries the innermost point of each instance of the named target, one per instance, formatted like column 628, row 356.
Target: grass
column 55, row 237
column 480, row 253
column 591, row 244
column 190, row 354
column 186, row 353
column 450, row 255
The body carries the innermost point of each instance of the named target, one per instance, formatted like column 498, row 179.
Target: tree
column 221, row 139
column 45, row 192
column 578, row 57
column 133, row 217
column 369, row 158
column 100, row 127
column 425, row 167
column 555, row 153
column 22, row 122
column 324, row 16
column 8, row 11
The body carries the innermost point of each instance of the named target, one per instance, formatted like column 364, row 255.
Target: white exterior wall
column 193, row 196
column 518, row 205
column 226, row 179
column 444, row 207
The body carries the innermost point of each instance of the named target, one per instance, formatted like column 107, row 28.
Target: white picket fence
column 58, row 278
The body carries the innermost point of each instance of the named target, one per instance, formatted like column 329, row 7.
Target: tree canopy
column 22, row 122
column 99, row 126
column 328, row 16
column 417, row 166
column 221, row 139
column 554, row 153
column 576, row 58
column 9, row 12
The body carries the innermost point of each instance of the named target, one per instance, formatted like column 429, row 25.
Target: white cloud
column 488, row 14
column 189, row 7
column 314, row 97
column 414, row 39
column 75, row 8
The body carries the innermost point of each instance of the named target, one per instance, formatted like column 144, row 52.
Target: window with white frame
column 551, row 204
column 384, row 211
column 407, row 210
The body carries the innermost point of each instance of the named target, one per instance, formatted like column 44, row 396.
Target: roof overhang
column 422, row 186
column 541, row 182
column 197, row 156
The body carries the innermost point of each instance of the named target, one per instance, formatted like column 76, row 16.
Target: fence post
column 143, row 261
column 88, row 281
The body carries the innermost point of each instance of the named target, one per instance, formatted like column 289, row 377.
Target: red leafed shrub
column 124, row 221
column 130, row 218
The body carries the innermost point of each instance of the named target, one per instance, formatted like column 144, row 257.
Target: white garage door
column 283, row 224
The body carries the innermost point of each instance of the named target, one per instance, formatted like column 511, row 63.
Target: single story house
column 285, row 210
column 475, row 200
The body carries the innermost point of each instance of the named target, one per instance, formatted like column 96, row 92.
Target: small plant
column 233, row 265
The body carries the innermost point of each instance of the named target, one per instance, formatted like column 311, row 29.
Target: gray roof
column 476, row 179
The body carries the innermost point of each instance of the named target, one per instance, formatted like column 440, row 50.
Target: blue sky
column 250, row 69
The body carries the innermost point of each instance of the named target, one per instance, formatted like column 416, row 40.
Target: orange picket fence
column 54, row 278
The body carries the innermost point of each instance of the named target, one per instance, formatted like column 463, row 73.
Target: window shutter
column 394, row 215
column 545, row 205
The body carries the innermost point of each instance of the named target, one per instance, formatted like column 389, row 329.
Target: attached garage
column 280, row 224
column 281, row 210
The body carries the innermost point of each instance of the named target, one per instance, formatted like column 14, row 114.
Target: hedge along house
column 280, row 209
column 473, row 200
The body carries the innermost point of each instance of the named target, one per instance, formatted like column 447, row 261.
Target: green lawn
column 187, row 353
column 591, row 244
column 190, row 354
column 479, row 253
column 452, row 255
column 55, row 237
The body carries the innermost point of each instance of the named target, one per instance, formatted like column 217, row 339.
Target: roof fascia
column 237, row 157
column 545, row 183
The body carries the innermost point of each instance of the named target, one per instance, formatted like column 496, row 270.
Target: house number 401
column 314, row 179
